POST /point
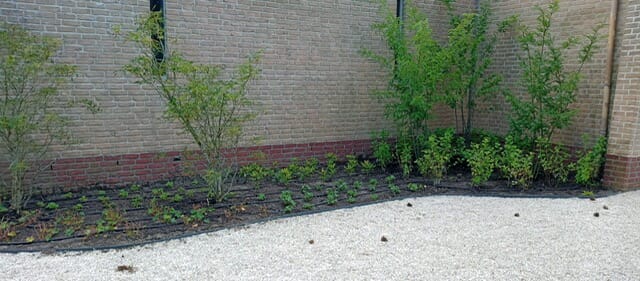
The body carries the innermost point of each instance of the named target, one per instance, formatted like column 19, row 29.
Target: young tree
column 469, row 50
column 29, row 81
column 551, row 87
column 416, row 65
column 210, row 109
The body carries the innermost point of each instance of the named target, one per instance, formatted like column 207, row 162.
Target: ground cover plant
column 104, row 217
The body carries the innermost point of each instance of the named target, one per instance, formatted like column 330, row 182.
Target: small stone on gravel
column 384, row 239
column 596, row 214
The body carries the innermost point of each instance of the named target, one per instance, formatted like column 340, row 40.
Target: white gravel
column 439, row 238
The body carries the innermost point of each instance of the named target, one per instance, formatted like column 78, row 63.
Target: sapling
column 210, row 109
column 31, row 81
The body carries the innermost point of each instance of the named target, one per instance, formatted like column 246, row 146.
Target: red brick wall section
column 622, row 173
column 75, row 173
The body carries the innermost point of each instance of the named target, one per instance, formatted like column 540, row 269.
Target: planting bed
column 129, row 215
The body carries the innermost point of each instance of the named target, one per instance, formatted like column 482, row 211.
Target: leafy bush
column 382, row 149
column 589, row 166
column 550, row 86
column 437, row 155
column 404, row 150
column 212, row 110
column 482, row 159
column 516, row 164
column 29, row 125
column 553, row 160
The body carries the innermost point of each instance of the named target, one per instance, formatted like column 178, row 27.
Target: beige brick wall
column 314, row 85
column 623, row 166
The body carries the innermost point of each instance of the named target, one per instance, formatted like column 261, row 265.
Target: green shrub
column 382, row 149
column 327, row 173
column 516, row 165
column 211, row 110
column 437, row 155
column 352, row 164
column 404, row 149
column 482, row 159
column 589, row 166
column 554, row 162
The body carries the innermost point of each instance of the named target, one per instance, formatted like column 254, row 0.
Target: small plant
column 83, row 199
column 135, row 188
column 357, row 185
column 588, row 194
column 68, row 195
column 307, row 206
column 164, row 214
column 78, row 207
column 7, row 230
column 327, row 173
column 29, row 217
column 516, row 165
column 482, row 159
column 553, row 160
column 414, row 187
column 374, row 197
column 287, row 200
column 373, row 185
column 41, row 204
column 351, row 196
column 196, row 216
column 177, row 198
column 332, row 196
column 136, row 201
column 123, row 194
column 382, row 149
column 102, row 193
column 352, row 164
column 294, row 167
column 405, row 157
column 284, row 176
column 589, row 166
column 262, row 196
column 395, row 190
column 341, row 186
column 390, row 179
column 311, row 165
column 52, row 206
column 71, row 221
column 46, row 231
column 307, row 194
column 437, row 155
column 367, row 167
column 3, row 209
column 110, row 220
column 169, row 184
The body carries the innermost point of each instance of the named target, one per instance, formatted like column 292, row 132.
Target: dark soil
column 103, row 218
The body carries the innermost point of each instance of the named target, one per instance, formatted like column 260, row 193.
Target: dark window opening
column 159, row 38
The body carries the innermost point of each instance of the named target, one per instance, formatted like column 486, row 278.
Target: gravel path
column 438, row 238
